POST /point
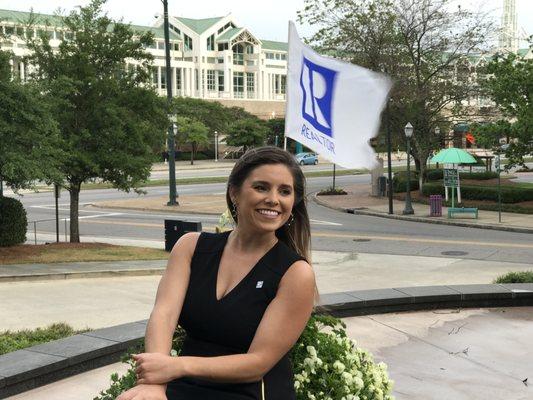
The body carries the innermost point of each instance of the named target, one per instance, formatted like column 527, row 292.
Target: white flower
column 338, row 366
column 311, row 350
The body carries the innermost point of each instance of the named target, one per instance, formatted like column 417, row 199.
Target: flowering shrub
column 328, row 365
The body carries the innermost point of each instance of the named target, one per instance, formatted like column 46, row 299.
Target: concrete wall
column 262, row 109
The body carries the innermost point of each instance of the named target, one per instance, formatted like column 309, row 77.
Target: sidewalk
column 359, row 201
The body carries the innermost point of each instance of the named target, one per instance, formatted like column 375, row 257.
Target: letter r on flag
column 317, row 83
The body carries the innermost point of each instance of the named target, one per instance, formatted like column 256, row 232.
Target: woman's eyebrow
column 285, row 185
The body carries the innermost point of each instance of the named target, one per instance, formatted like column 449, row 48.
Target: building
column 211, row 58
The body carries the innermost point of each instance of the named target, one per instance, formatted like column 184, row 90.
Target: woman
column 243, row 297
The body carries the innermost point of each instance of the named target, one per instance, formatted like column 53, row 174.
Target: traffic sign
column 451, row 177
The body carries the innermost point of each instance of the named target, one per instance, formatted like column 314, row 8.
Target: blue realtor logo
column 318, row 85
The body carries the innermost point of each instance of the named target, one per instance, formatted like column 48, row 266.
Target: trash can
column 435, row 205
column 382, row 186
column 174, row 229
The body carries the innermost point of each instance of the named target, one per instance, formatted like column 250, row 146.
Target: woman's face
column 266, row 197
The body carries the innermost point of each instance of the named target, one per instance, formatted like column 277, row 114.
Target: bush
column 13, row 222
column 12, row 341
column 330, row 191
column 326, row 363
column 437, row 174
column 434, row 174
column 399, row 184
column 516, row 277
column 508, row 194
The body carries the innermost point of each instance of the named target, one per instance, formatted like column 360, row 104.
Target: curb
column 81, row 275
column 96, row 205
column 36, row 366
column 366, row 211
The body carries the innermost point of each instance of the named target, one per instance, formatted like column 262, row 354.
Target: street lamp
column 437, row 134
column 216, row 146
column 408, row 207
column 172, row 129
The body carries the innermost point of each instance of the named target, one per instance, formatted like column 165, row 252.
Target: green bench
column 462, row 210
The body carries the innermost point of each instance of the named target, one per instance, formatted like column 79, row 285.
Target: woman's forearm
column 159, row 333
column 236, row 368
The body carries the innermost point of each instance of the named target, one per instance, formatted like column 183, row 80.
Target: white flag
column 333, row 107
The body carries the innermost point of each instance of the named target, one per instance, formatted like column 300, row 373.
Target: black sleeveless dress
column 227, row 326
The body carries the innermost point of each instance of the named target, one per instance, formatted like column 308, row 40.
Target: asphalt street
column 331, row 230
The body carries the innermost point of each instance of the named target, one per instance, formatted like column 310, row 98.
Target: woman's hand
column 145, row 392
column 156, row 368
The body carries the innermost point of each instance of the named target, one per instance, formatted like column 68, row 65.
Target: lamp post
column 408, row 207
column 216, row 146
column 172, row 129
column 437, row 134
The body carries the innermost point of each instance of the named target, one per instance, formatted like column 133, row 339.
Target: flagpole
column 389, row 156
column 333, row 176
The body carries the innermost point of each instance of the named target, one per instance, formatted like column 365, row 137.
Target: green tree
column 510, row 84
column 212, row 114
column 29, row 140
column 192, row 132
column 488, row 135
column 111, row 121
column 276, row 131
column 420, row 44
column 247, row 132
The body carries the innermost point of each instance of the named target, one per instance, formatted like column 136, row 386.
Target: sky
column 265, row 19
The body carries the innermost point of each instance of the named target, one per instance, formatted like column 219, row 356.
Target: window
column 284, row 56
column 278, row 56
column 238, row 84
column 250, row 84
column 155, row 76
column 163, row 78
column 223, row 46
column 160, row 45
column 229, row 24
column 175, row 29
column 238, row 54
column 211, row 82
column 211, row 42
column 175, row 46
column 178, row 78
column 196, row 83
column 220, row 81
column 187, row 42
column 269, row 56
column 9, row 30
column 249, row 49
column 20, row 32
column 283, row 83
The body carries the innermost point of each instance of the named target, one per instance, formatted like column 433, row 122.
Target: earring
column 290, row 220
column 234, row 213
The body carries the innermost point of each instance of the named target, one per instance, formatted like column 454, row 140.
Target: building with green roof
column 211, row 58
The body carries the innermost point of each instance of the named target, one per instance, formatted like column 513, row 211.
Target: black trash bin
column 174, row 229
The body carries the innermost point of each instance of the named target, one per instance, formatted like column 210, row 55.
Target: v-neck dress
column 227, row 326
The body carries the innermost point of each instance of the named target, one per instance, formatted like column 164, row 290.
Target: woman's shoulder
column 283, row 258
column 209, row 242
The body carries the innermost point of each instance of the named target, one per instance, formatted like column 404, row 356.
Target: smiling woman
column 243, row 297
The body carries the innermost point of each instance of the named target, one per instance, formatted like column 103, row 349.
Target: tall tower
column 508, row 30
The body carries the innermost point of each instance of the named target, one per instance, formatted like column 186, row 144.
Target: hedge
column 13, row 222
column 437, row 174
column 508, row 194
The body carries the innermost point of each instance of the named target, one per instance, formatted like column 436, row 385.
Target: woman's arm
column 281, row 326
column 165, row 314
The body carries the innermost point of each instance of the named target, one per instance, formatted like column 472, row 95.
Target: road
column 331, row 230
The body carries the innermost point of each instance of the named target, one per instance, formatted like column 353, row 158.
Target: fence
column 34, row 223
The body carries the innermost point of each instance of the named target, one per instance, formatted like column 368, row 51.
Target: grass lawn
column 76, row 252
column 17, row 340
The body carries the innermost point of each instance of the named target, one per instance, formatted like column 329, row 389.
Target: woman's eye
column 286, row 192
column 260, row 188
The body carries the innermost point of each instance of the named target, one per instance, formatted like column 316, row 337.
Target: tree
column 510, row 83
column 29, row 140
column 110, row 120
column 488, row 135
column 212, row 114
column 276, row 133
column 420, row 44
column 192, row 132
column 247, row 132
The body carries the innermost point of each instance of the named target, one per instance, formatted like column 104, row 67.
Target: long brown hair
column 297, row 235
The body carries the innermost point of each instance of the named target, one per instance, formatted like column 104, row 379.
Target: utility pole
column 171, row 146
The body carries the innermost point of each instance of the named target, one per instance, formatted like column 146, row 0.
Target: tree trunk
column 74, row 189
column 192, row 153
column 421, row 173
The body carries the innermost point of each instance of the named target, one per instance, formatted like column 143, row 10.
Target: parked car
column 307, row 158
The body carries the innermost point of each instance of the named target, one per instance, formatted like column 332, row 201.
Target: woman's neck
column 243, row 239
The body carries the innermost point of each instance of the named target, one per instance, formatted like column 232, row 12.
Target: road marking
column 318, row 222
column 436, row 241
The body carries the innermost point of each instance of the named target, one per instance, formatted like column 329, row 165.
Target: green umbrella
column 453, row 156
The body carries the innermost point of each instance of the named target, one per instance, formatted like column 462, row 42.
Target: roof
column 278, row 46
column 199, row 25
column 57, row 21
column 23, row 17
column 159, row 32
column 229, row 34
